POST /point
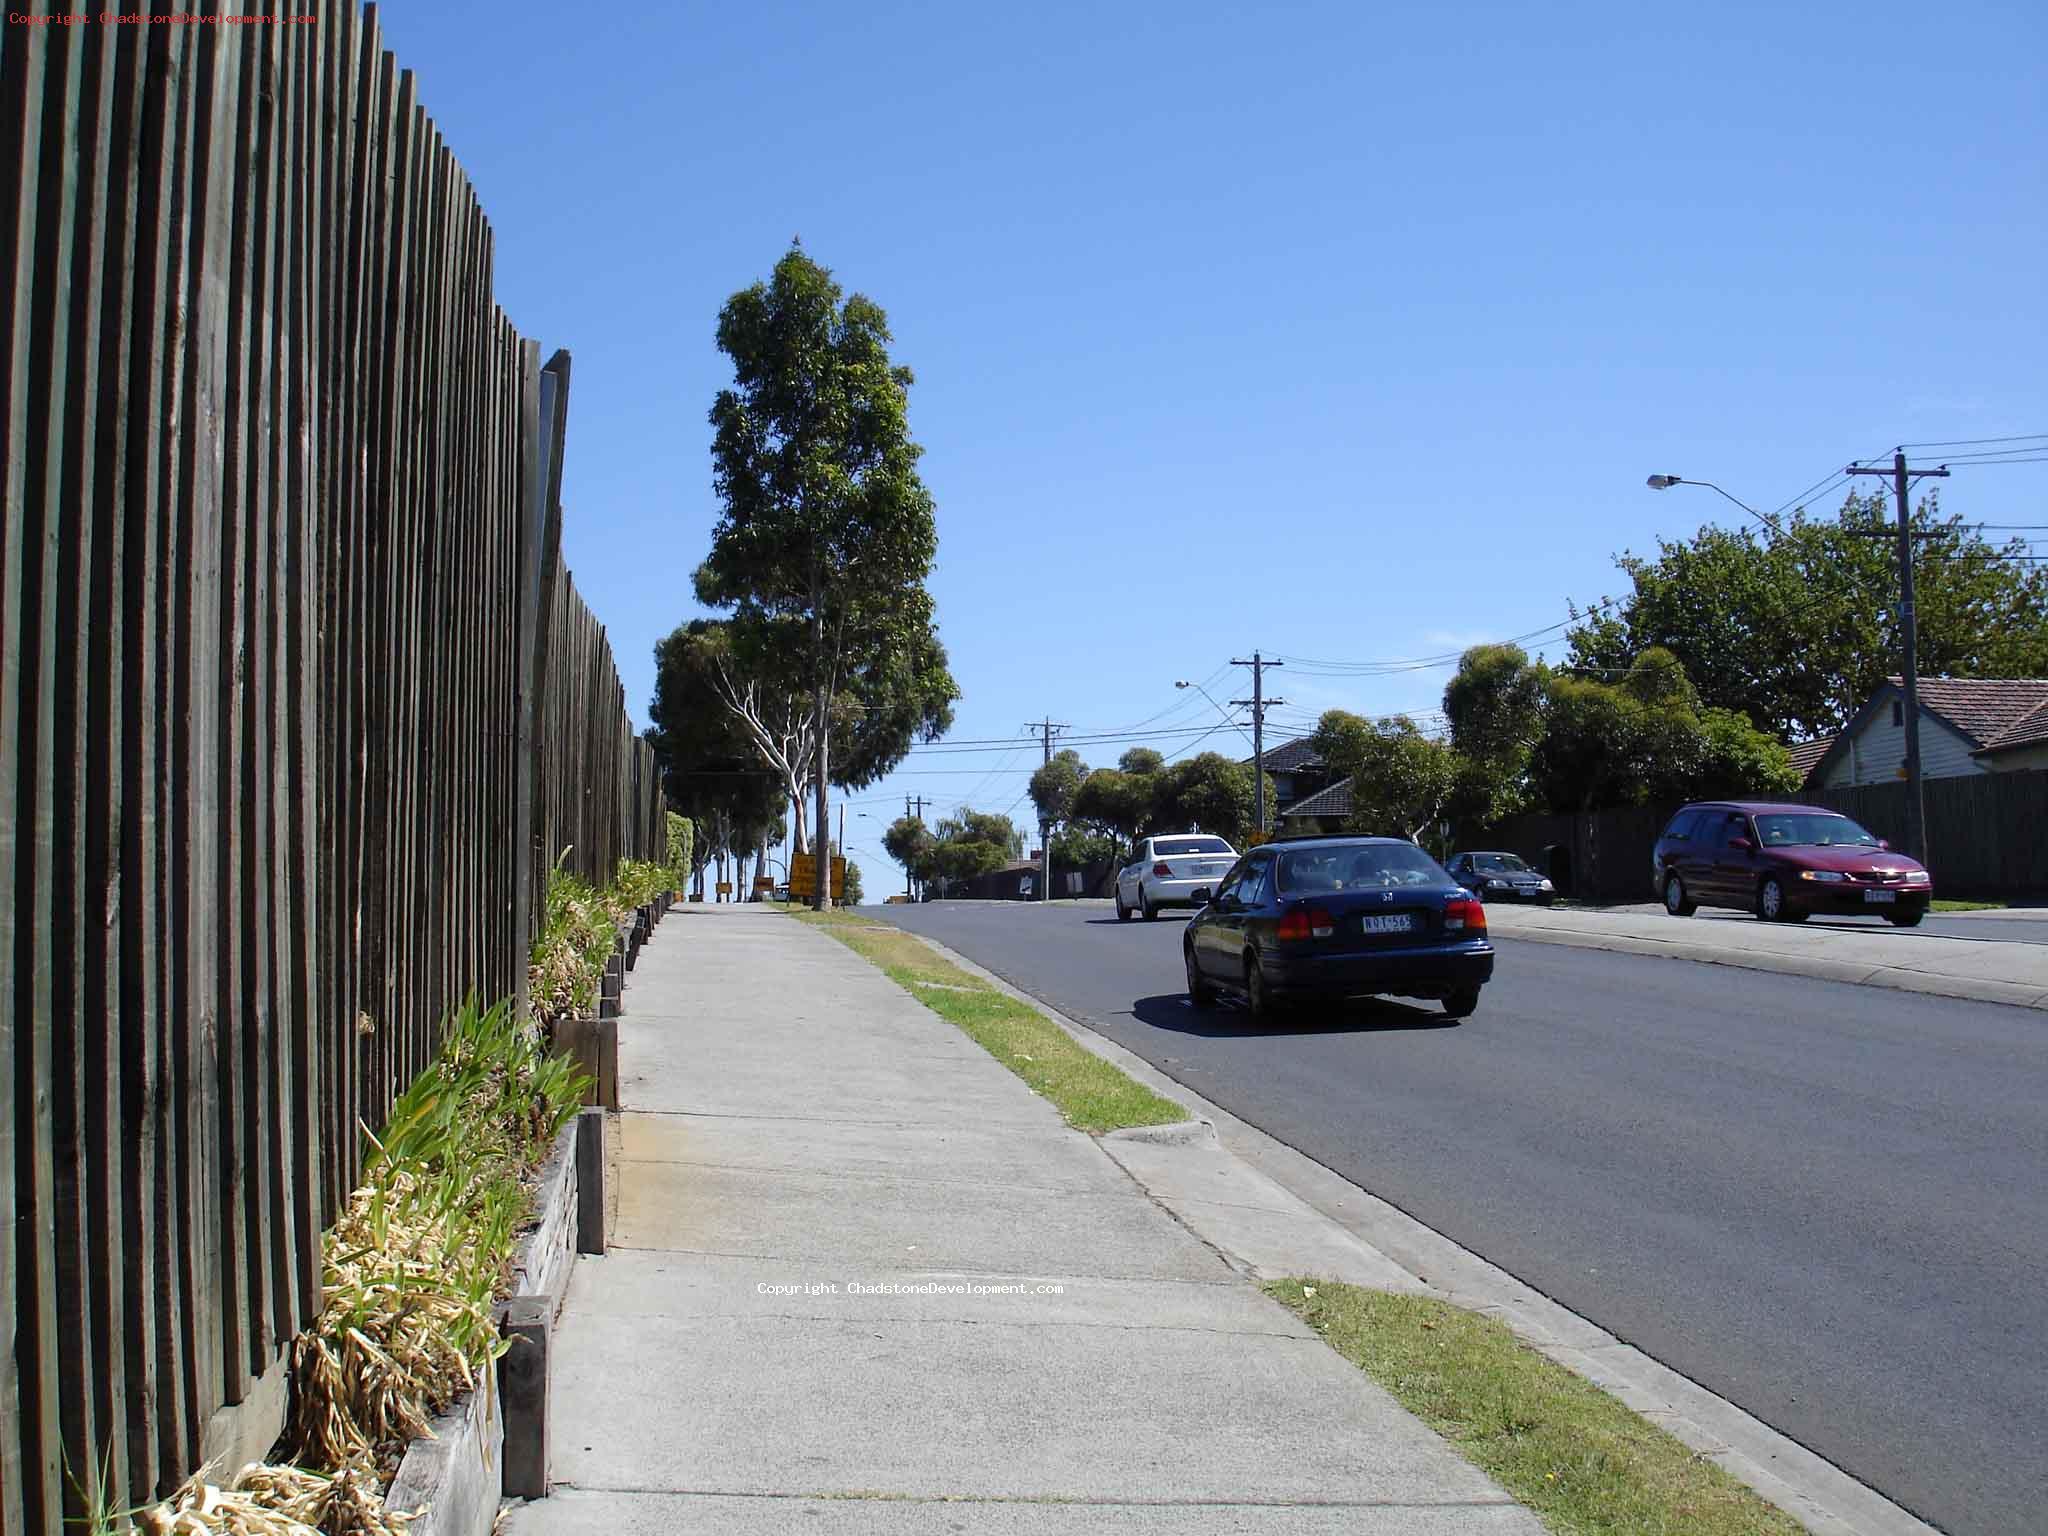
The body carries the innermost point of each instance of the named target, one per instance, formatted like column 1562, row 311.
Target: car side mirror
column 1739, row 843
column 1203, row 896
column 1884, row 843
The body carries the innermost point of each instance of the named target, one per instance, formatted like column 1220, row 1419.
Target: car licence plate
column 1393, row 922
column 1880, row 895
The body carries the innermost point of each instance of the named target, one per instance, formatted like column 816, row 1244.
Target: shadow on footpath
column 1228, row 1019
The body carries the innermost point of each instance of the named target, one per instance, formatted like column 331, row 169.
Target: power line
column 1190, row 746
column 1325, row 668
column 1318, row 668
column 1986, row 461
column 1963, row 442
column 993, row 773
column 945, row 749
column 1179, row 703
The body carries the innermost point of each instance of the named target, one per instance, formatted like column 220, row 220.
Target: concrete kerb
column 1369, row 1241
column 1513, row 924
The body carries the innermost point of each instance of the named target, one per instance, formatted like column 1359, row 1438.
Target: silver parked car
column 1167, row 870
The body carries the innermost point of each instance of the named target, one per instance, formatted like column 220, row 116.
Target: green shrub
column 638, row 882
column 413, row 1267
column 566, row 968
column 681, row 838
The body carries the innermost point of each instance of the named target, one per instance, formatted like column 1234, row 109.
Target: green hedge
column 681, row 840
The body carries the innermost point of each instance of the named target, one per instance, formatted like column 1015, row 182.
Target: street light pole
column 1259, row 703
column 909, row 894
column 1909, row 639
column 1048, row 728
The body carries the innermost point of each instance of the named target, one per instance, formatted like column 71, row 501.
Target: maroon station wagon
column 1784, row 863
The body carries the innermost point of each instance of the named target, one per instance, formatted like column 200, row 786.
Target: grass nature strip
column 1092, row 1094
column 1584, row 1462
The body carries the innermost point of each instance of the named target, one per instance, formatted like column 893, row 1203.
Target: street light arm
column 1226, row 714
column 1665, row 482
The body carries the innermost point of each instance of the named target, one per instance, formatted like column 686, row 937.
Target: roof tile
column 2029, row 729
column 1806, row 755
column 1983, row 708
column 1289, row 756
column 1334, row 801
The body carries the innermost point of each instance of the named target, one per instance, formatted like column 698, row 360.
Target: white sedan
column 1167, row 871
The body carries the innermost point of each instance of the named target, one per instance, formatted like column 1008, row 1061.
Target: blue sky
column 1389, row 310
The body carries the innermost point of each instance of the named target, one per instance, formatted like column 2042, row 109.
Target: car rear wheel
column 1264, row 1007
column 1151, row 912
column 1676, row 902
column 1462, row 1003
column 1200, row 992
column 1904, row 919
column 1770, row 902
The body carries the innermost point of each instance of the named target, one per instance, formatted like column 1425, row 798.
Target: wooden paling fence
column 297, row 702
column 1987, row 833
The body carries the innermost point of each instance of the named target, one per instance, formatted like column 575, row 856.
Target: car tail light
column 1163, row 870
column 1464, row 915
column 1306, row 923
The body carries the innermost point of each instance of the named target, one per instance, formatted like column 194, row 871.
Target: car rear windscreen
column 1373, row 866
column 1176, row 847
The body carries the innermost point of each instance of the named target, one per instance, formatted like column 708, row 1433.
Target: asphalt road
column 1828, row 1203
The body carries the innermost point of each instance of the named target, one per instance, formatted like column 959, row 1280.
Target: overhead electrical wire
column 1971, row 442
column 1322, row 667
column 1147, row 730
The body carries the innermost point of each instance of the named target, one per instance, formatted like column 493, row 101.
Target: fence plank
column 157, row 1411
column 184, row 1358
column 29, row 1489
column 52, row 1355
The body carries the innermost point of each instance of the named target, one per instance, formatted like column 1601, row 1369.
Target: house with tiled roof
column 1968, row 726
column 1296, row 770
column 1806, row 756
column 1324, row 811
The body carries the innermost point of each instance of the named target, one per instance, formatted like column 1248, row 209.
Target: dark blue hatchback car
column 1337, row 917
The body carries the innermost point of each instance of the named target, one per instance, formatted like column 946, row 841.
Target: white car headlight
column 1918, row 877
column 1547, row 885
column 1825, row 876
column 1496, row 885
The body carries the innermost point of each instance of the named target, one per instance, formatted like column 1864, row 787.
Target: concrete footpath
column 864, row 1279
column 1993, row 968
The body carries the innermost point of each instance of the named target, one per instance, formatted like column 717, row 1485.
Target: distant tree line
column 826, row 666
column 1094, row 816
column 1727, row 646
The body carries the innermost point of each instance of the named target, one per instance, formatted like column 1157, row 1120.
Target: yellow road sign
column 803, row 878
